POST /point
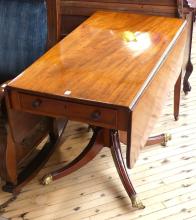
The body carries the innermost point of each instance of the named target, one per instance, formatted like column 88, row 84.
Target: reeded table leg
column 157, row 139
column 122, row 171
column 161, row 138
column 91, row 150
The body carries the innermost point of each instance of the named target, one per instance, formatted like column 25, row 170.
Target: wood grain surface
column 150, row 105
column 96, row 63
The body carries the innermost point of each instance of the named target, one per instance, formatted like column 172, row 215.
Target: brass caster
column 46, row 180
column 137, row 203
column 167, row 137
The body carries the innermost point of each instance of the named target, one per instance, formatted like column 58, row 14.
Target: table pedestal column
column 101, row 138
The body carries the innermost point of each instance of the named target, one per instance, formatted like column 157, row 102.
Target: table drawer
column 92, row 115
column 80, row 112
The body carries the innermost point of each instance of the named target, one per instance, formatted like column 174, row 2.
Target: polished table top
column 109, row 59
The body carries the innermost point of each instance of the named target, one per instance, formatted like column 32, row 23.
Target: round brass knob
column 96, row 115
column 36, row 103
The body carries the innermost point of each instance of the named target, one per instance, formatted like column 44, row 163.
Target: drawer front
column 92, row 115
column 80, row 112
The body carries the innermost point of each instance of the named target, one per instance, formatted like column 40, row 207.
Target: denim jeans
column 23, row 35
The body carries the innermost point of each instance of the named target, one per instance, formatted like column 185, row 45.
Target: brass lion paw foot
column 46, row 180
column 167, row 137
column 136, row 202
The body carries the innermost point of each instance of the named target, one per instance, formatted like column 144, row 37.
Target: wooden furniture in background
column 188, row 7
column 192, row 4
column 99, row 80
column 54, row 22
column 21, row 134
column 76, row 11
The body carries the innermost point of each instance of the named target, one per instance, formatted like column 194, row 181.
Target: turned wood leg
column 122, row 170
column 177, row 90
column 90, row 151
column 161, row 138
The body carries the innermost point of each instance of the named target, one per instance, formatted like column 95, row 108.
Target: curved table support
column 14, row 185
column 90, row 151
column 101, row 138
column 38, row 162
column 122, row 171
column 161, row 138
column 186, row 84
column 189, row 66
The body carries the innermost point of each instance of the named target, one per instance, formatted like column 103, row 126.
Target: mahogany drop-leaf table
column 113, row 72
